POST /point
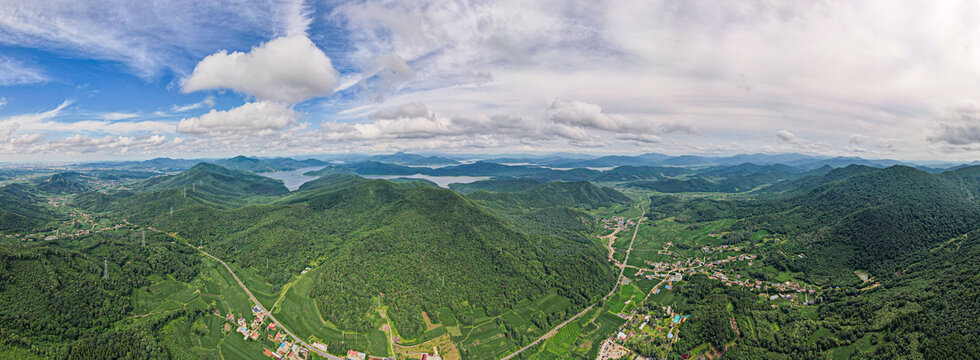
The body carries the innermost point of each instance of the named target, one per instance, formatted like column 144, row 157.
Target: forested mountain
column 258, row 165
column 581, row 194
column 204, row 184
column 158, row 164
column 218, row 180
column 19, row 209
column 65, row 183
column 499, row 185
column 402, row 158
column 632, row 173
column 54, row 301
column 370, row 229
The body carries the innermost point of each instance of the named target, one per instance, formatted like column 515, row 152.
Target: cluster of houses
column 722, row 248
column 55, row 235
column 56, row 202
column 617, row 222
column 252, row 330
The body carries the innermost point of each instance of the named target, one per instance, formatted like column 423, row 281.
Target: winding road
column 256, row 301
column 622, row 268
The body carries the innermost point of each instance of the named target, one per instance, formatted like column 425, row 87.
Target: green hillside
column 582, row 194
column 65, row 183
column 20, row 210
column 398, row 239
column 258, row 165
column 496, row 185
column 54, row 301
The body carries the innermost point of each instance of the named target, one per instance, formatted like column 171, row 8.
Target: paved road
column 271, row 317
column 622, row 266
column 621, row 269
column 550, row 333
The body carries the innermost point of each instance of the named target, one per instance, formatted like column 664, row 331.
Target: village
column 659, row 328
column 716, row 270
column 284, row 347
column 81, row 224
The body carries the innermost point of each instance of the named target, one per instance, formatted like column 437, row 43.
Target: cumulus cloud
column 3, row 101
column 581, row 114
column 784, row 136
column 286, row 69
column 260, row 117
column 958, row 125
column 410, row 110
column 678, row 127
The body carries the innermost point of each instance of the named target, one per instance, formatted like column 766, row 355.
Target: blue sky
column 86, row 80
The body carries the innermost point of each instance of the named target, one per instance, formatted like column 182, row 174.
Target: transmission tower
column 171, row 211
column 144, row 237
column 105, row 268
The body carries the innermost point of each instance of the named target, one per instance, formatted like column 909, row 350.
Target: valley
column 220, row 263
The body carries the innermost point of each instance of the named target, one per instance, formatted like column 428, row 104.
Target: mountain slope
column 399, row 239
column 204, row 184
column 258, row 165
column 19, row 209
column 581, row 194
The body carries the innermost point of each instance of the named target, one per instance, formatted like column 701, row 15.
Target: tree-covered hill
column 258, row 165
column 580, row 194
column 499, row 185
column 69, row 182
column 204, row 184
column 402, row 158
column 55, row 302
column 218, row 180
column 20, row 210
column 400, row 239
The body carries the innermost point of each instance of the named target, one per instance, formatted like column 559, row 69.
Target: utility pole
column 105, row 268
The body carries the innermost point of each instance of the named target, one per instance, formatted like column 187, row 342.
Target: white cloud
column 958, row 125
column 13, row 72
column 410, row 110
column 785, row 136
column 260, row 117
column 119, row 115
column 577, row 113
column 147, row 37
column 207, row 102
column 3, row 101
column 286, row 69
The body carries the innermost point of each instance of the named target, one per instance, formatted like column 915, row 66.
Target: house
column 356, row 355
column 272, row 326
column 255, row 335
column 621, row 336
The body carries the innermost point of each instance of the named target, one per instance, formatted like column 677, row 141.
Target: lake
column 294, row 178
column 442, row 181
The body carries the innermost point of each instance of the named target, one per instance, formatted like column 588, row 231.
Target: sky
column 94, row 80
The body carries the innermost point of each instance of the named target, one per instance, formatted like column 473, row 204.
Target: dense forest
column 400, row 239
column 495, row 243
column 54, row 301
